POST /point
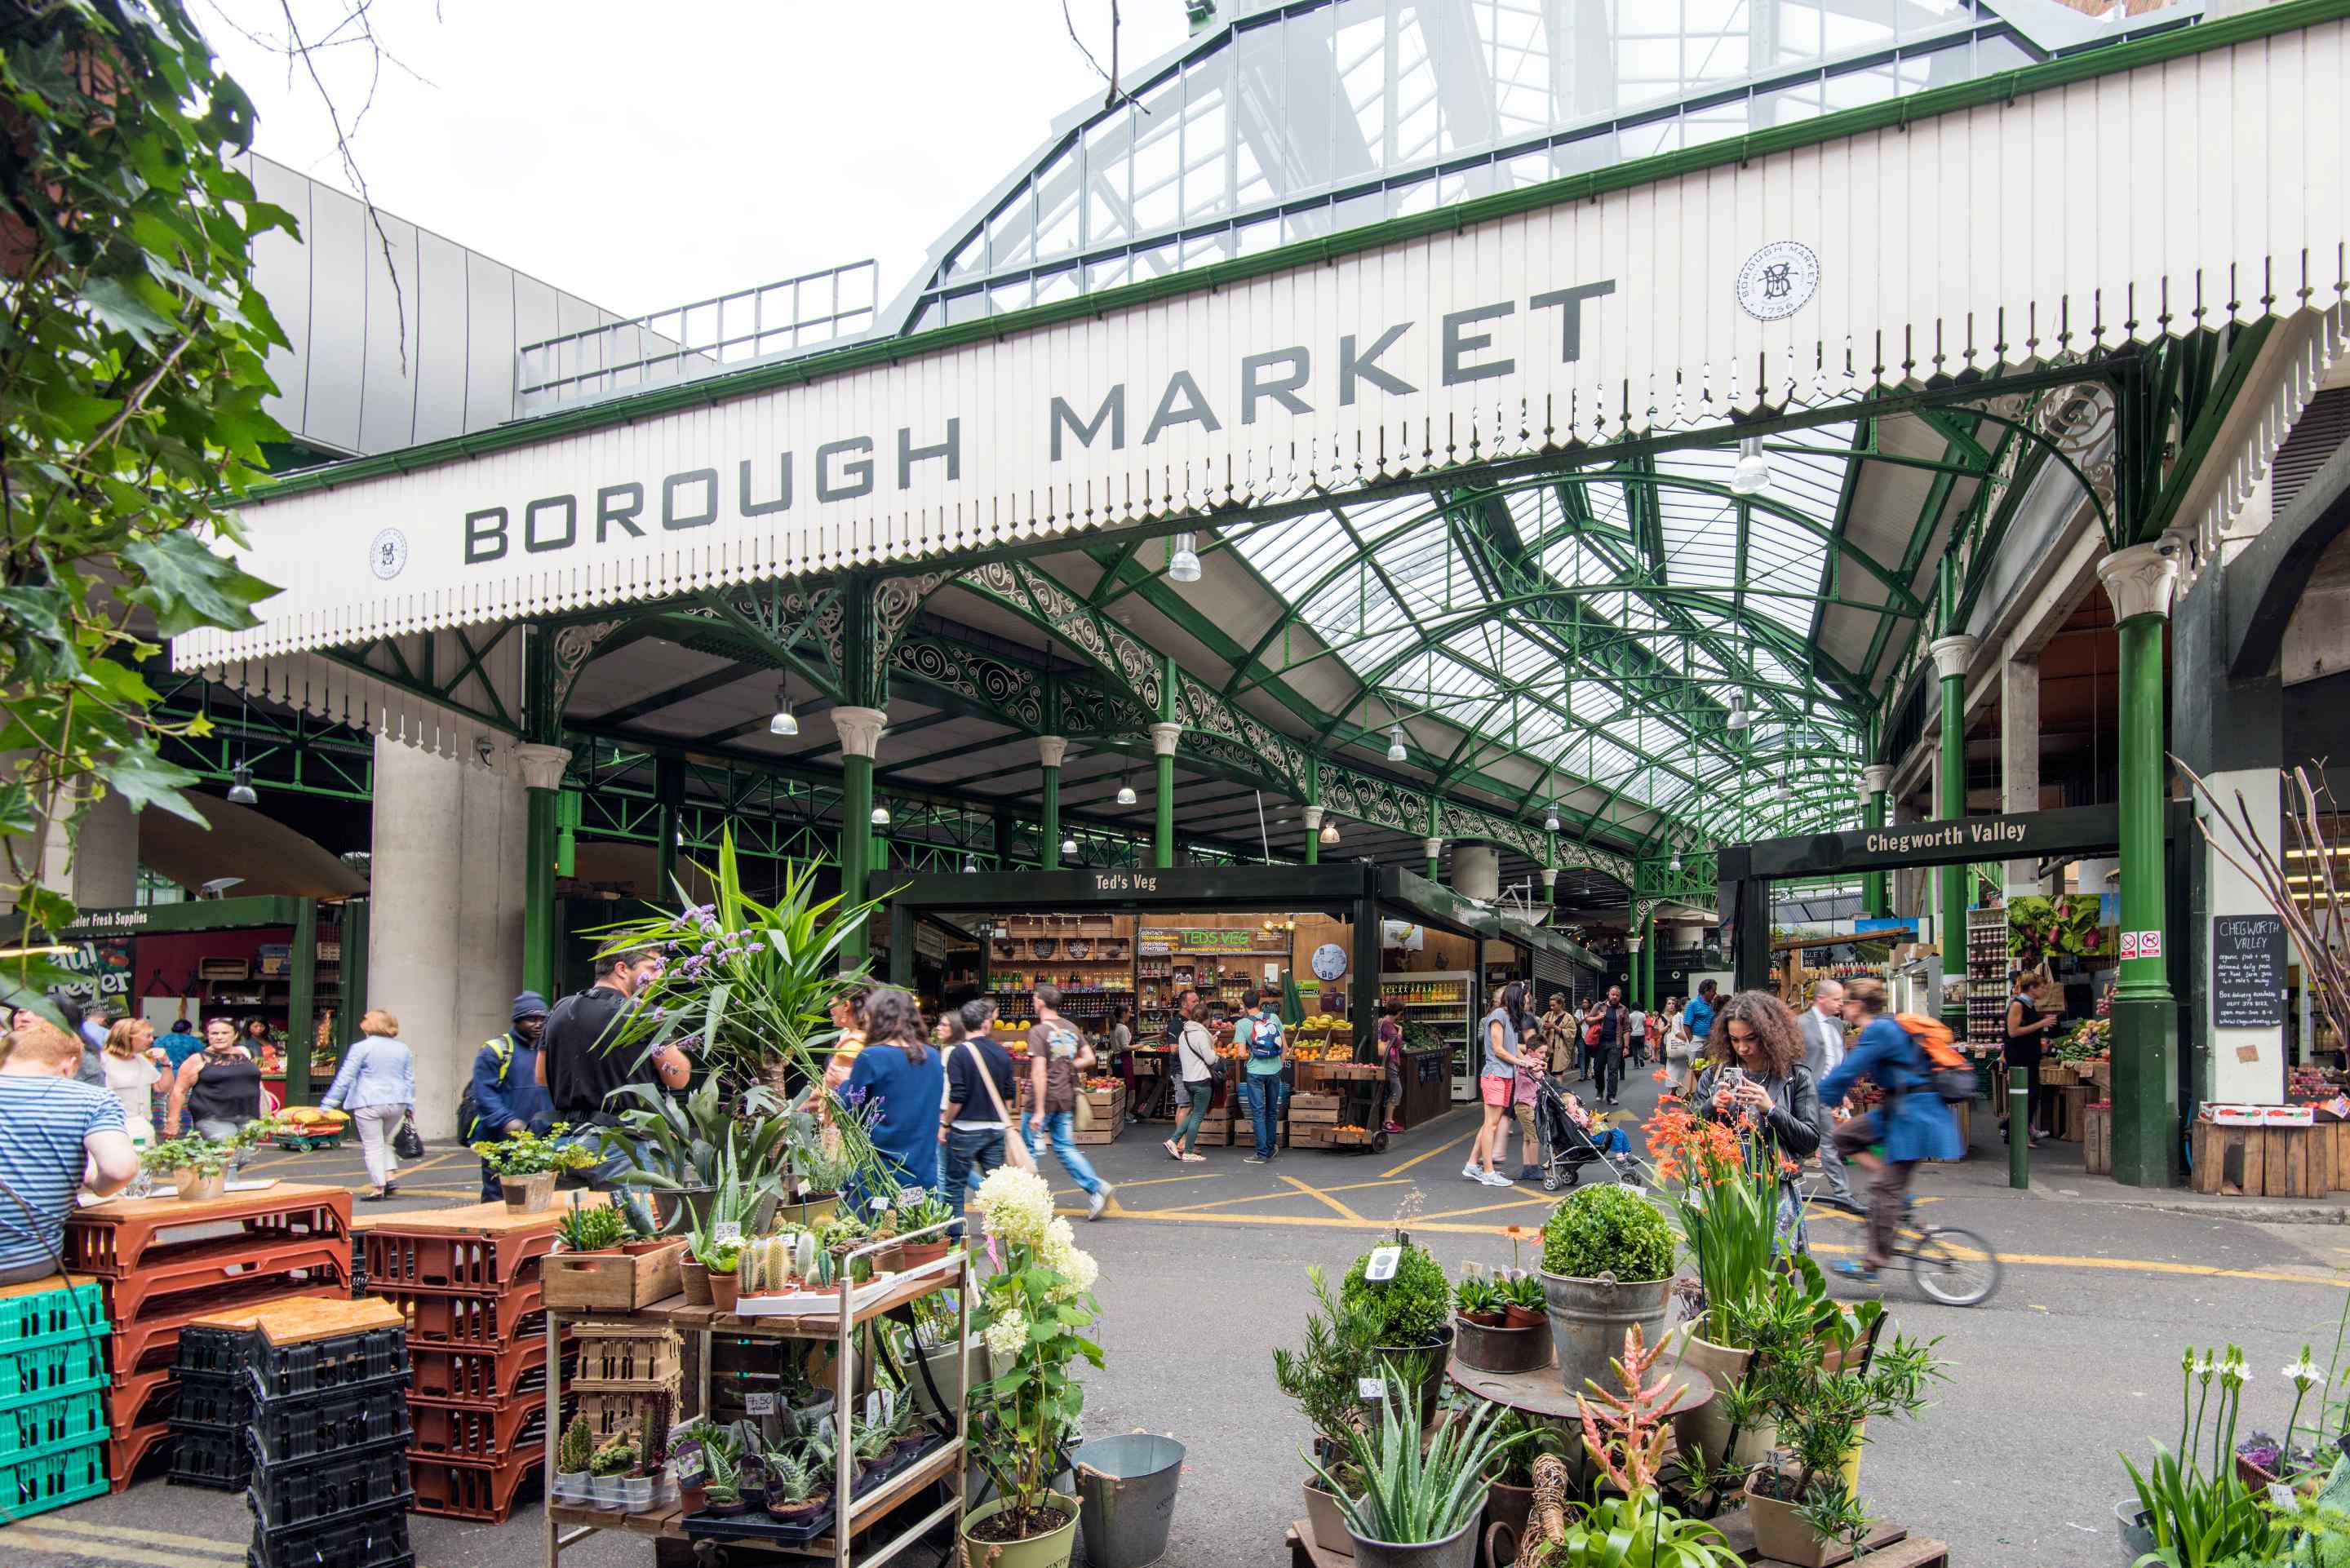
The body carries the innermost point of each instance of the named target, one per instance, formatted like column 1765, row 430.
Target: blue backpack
column 1265, row 1037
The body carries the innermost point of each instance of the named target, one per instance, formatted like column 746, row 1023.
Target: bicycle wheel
column 1956, row 1268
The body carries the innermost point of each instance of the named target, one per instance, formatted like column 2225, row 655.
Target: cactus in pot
column 574, row 1452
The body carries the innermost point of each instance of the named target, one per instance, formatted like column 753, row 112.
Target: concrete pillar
column 445, row 926
column 106, row 856
column 1477, row 871
column 2019, row 756
column 1313, row 836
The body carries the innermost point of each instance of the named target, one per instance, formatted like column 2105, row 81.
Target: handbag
column 1015, row 1148
column 408, row 1143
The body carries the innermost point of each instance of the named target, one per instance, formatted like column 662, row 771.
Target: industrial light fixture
column 1183, row 559
column 1068, row 846
column 1739, row 717
column 1675, row 863
column 880, row 817
column 240, row 789
column 1550, row 818
column 1328, row 836
column 970, row 863
column 785, row 722
column 1125, row 790
column 1752, row 475
column 1396, row 753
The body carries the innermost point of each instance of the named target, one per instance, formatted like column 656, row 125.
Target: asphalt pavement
column 2073, row 1361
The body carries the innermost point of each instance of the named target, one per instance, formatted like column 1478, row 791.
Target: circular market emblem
column 388, row 554
column 1778, row 280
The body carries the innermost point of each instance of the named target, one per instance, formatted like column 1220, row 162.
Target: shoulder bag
column 1015, row 1147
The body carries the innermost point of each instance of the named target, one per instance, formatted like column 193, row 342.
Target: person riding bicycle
column 1912, row 1125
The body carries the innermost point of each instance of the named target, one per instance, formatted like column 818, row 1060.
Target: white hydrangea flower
column 1078, row 1271
column 1052, row 1249
column 1008, row 1333
column 1018, row 1205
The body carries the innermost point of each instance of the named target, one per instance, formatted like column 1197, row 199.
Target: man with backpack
column 1899, row 1056
column 503, row 1097
column 1259, row 1032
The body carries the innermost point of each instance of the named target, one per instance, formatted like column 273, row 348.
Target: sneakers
column 1254, row 1159
column 1529, row 1173
column 1472, row 1173
column 1494, row 1178
column 1394, row 1127
column 1100, row 1201
column 1847, row 1269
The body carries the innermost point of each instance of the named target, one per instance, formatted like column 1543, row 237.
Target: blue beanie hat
column 529, row 1004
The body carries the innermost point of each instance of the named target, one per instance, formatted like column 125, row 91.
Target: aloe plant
column 723, row 1478
column 1412, row 1495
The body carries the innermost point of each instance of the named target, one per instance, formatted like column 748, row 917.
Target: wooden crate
column 2229, row 1161
column 628, row 1356
column 2340, row 1133
column 2071, row 1102
column 1312, row 1103
column 2295, row 1168
column 2097, row 1138
column 611, row 1281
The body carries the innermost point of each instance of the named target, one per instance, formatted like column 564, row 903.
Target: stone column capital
column 1435, row 847
column 1953, row 655
column 1632, row 944
column 1312, row 819
column 860, row 730
column 540, row 767
column 2139, row 579
column 1876, row 779
column 1550, row 876
column 1163, row 739
column 1052, row 751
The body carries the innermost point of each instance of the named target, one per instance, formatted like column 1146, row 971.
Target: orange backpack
column 1948, row 1071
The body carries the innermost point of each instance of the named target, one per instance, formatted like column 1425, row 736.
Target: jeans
column 219, row 1129
column 493, row 1189
column 969, row 1154
column 1060, row 1127
column 1264, row 1111
column 377, row 1125
column 1187, row 1136
column 1395, row 1091
column 1606, row 1072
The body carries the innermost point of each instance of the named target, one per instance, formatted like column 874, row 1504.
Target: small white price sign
column 725, row 1230
column 759, row 1404
column 880, row 1202
column 1382, row 1266
column 1370, row 1388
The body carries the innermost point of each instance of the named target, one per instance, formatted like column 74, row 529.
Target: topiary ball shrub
column 1607, row 1230
column 1415, row 1307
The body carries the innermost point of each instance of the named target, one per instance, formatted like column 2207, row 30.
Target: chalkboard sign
column 2247, row 972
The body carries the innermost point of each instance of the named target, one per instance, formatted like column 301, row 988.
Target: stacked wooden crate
column 1103, row 1116
column 165, row 1262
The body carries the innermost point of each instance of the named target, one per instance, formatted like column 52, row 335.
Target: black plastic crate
column 215, row 1458
column 286, row 1432
column 286, row 1496
column 210, row 1399
column 315, row 1366
column 214, row 1351
column 370, row 1538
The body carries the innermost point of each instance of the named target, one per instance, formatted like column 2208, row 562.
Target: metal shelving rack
column 1453, row 1020
column 567, row 1524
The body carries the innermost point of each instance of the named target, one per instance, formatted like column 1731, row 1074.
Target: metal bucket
column 1458, row 1549
column 1125, row 1497
column 1588, row 1317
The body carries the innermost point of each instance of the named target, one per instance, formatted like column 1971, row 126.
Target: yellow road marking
column 149, row 1537
column 1431, row 1154
column 1270, row 1197
column 1163, row 1181
column 1322, row 1197
column 1488, row 1207
column 27, row 1538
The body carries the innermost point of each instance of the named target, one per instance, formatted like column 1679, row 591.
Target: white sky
column 642, row 155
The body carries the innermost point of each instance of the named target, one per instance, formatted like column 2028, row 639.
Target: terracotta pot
column 652, row 1244
column 723, row 1290
column 532, row 1194
column 1707, row 1426
column 1481, row 1319
column 694, row 1278
column 1509, row 1506
column 917, row 1253
column 1780, row 1533
column 1329, row 1525
column 1524, row 1317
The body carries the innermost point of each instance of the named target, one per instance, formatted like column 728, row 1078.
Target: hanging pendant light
column 1328, row 836
column 1738, row 718
column 1068, row 846
column 785, row 722
column 239, row 790
column 1675, row 863
column 1126, row 789
column 880, row 817
column 1396, row 753
column 970, row 863
column 1550, row 818
column 1183, row 559
column 1752, row 475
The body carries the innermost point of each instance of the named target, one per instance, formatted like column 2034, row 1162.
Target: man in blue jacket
column 1912, row 1125
column 504, row 1095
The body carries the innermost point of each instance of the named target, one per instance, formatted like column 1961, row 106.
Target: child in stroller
column 1570, row 1141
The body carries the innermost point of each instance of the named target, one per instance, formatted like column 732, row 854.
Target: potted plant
column 1476, row 1299
column 1326, row 1379
column 721, row 1258
column 612, row 1460
column 1524, row 1302
column 796, row 1491
column 580, row 1228
column 1608, row 1266
column 526, row 1165
column 1419, row 1501
column 919, row 1209
column 199, row 1166
column 722, row 1486
column 1414, row 1308
column 873, row 1445
column 1520, row 1441
column 1482, row 1334
column 2192, row 1510
column 573, row 1453
column 1034, row 1311
column 771, row 1265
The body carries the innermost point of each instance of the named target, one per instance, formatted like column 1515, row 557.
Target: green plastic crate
column 34, row 1375
column 51, row 1317
column 53, row 1424
column 36, row 1483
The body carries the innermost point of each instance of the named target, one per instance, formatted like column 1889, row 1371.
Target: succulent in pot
column 612, row 1459
column 721, row 1491
column 795, row 1489
column 574, row 1452
column 1479, row 1300
column 1524, row 1302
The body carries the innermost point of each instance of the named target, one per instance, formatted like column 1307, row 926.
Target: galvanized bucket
column 1125, row 1497
column 1588, row 1317
column 1458, row 1549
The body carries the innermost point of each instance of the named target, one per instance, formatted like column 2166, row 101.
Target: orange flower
column 1658, row 1075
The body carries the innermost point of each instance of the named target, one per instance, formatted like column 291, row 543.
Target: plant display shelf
column 852, row 1310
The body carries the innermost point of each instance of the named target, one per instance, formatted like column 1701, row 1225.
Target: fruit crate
column 315, row 1366
column 168, row 1273
column 45, row 1317
column 459, row 1489
column 480, row 1377
column 489, row 1262
column 35, row 1482
column 36, row 1374
column 470, row 1321
column 289, row 1431
column 284, row 1496
column 213, row 1458
column 620, row 1356
column 127, row 1451
column 455, row 1432
column 640, row 1409
column 117, row 1237
column 214, row 1399
column 370, row 1538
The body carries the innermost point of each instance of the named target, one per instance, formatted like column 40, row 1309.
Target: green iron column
column 1164, row 740
column 861, row 740
column 1052, row 751
column 2139, row 581
column 541, row 768
column 1876, row 890
column 1951, row 656
column 1314, row 835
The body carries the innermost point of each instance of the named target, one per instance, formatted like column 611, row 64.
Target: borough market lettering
column 1480, row 343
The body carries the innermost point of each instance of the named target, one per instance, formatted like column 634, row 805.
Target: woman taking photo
column 377, row 1084
column 1754, row 1078
column 133, row 1063
column 1497, row 1083
column 900, row 1083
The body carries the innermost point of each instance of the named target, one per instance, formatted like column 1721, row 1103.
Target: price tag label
column 2280, row 1497
column 725, row 1230
column 1370, row 1388
column 1382, row 1266
column 880, row 1202
column 759, row 1404
column 880, row 1406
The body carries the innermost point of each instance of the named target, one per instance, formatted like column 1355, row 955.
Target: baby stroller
column 1567, row 1149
